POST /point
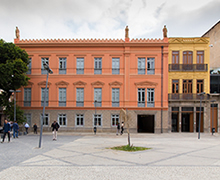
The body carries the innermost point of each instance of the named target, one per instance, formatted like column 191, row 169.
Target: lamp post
column 46, row 67
column 14, row 91
column 95, row 128
column 213, row 129
column 200, row 94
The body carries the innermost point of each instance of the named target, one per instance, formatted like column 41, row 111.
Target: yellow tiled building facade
column 188, row 76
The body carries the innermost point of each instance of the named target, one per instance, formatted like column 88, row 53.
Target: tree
column 13, row 66
column 126, row 118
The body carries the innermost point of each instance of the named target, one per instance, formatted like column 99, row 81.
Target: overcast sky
column 75, row 19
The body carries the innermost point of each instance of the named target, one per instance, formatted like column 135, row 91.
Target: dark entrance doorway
column 145, row 123
column 175, row 122
column 187, row 122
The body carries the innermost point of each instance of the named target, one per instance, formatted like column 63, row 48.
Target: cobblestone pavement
column 86, row 156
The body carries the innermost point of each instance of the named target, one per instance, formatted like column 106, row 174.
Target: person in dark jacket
column 55, row 126
column 118, row 128
column 7, row 129
column 15, row 129
column 35, row 128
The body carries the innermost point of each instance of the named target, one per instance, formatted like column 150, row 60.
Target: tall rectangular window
column 141, row 97
column 62, row 65
column 62, row 96
column 150, row 65
column 98, row 66
column 80, row 66
column 29, row 67
column 200, row 61
column 27, row 96
column 175, row 60
column 44, row 60
column 150, row 97
column 115, row 66
column 42, row 96
column 200, row 57
column 115, row 97
column 187, row 60
column 187, row 86
column 79, row 119
column 97, row 120
column 45, row 120
column 98, row 97
column 62, row 119
column 141, row 65
column 175, row 86
column 28, row 118
column 79, row 97
column 200, row 86
column 115, row 119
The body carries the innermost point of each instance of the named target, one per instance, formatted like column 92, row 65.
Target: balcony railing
column 188, row 67
column 184, row 96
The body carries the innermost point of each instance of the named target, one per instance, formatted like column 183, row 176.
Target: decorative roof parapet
column 71, row 41
column 89, row 41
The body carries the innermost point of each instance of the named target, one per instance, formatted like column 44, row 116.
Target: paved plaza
column 173, row 156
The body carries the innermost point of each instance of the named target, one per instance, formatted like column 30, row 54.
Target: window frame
column 79, row 65
column 62, row 65
column 62, row 98
column 100, row 116
column 115, row 65
column 62, row 116
column 141, row 65
column 151, row 65
column 98, row 92
column 115, row 97
column 141, row 97
column 46, row 60
column 27, row 97
column 83, row 120
column 150, row 97
column 114, row 118
column 79, row 97
column 97, row 65
column 42, row 97
column 46, row 115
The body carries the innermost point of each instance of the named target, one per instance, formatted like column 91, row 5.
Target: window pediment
column 97, row 83
column 115, row 83
column 146, row 84
column 62, row 83
column 29, row 84
column 43, row 83
column 79, row 83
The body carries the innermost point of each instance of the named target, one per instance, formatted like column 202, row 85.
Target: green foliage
column 130, row 148
column 13, row 68
column 19, row 113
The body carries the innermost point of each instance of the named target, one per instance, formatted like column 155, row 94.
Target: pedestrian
column 95, row 129
column 122, row 128
column 6, row 128
column 15, row 129
column 55, row 126
column 35, row 128
column 118, row 128
column 26, row 127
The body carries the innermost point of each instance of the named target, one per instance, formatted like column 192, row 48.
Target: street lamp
column 213, row 129
column 200, row 94
column 14, row 91
column 46, row 67
column 95, row 128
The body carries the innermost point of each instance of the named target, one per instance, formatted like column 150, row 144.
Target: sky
column 79, row 19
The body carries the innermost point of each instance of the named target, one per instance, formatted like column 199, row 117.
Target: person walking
column 35, row 128
column 26, row 127
column 7, row 129
column 118, row 128
column 15, row 129
column 55, row 126
column 122, row 128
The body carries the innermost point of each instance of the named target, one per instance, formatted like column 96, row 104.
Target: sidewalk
column 85, row 156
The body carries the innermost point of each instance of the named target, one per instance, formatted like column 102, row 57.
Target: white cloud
column 105, row 18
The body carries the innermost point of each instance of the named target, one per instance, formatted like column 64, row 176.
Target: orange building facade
column 93, row 80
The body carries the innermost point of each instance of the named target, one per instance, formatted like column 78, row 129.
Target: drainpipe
column 161, row 89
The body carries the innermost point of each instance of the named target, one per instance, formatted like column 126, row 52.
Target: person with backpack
column 55, row 126
column 7, row 129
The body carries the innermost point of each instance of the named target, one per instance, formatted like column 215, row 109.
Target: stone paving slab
column 86, row 156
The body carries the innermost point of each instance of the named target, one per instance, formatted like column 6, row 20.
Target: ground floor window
column 79, row 119
column 115, row 119
column 45, row 120
column 97, row 120
column 62, row 119
column 28, row 118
